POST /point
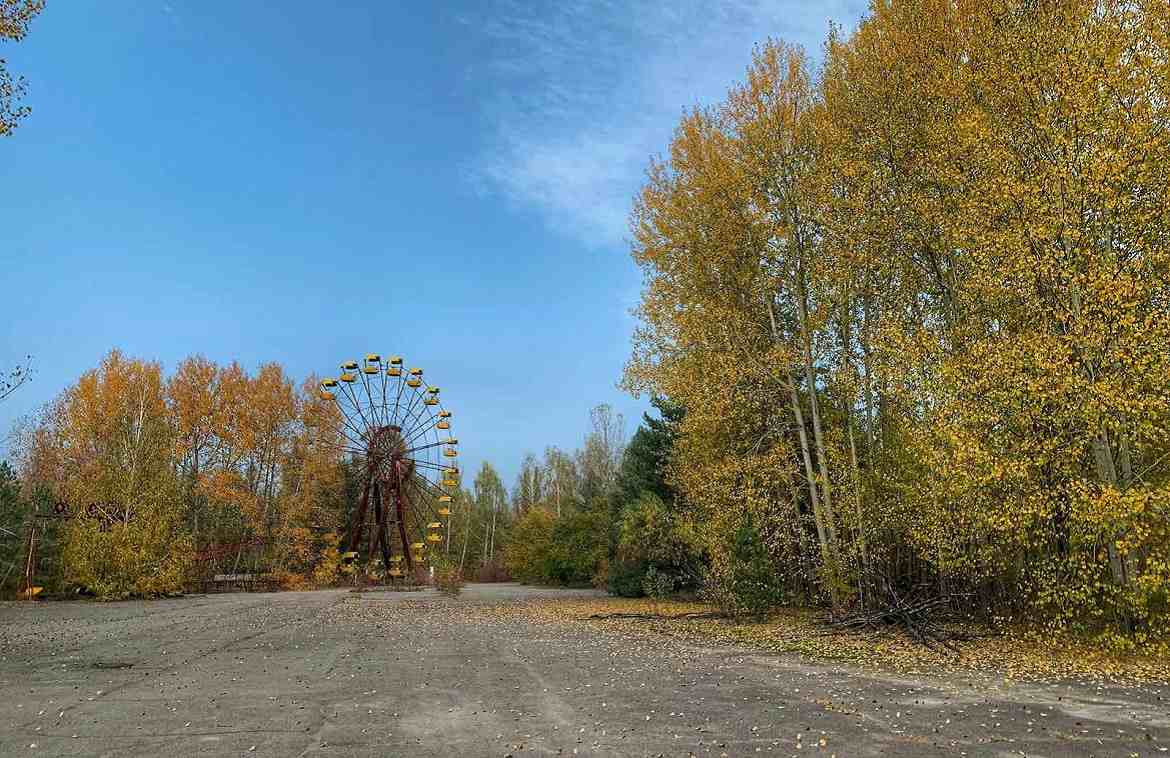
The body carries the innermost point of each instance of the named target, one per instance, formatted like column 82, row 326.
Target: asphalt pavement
column 332, row 673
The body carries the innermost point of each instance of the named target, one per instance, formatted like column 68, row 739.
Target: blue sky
column 303, row 182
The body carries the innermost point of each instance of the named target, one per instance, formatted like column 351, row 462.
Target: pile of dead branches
column 919, row 614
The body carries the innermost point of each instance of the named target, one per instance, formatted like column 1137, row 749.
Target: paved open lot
column 412, row 674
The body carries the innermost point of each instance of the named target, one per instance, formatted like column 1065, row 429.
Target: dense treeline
column 563, row 508
column 211, row 466
column 917, row 311
column 211, row 469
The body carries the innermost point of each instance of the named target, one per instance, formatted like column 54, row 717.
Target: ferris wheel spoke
column 436, row 490
column 377, row 411
column 425, row 510
column 425, row 447
column 418, row 431
column 420, row 417
column 418, row 427
column 413, row 514
column 361, row 441
column 410, row 422
column 369, row 398
column 425, row 426
column 398, row 394
column 425, row 464
column 419, row 394
column 348, row 421
column 357, row 405
column 338, row 442
column 385, row 409
column 413, row 401
column 429, row 489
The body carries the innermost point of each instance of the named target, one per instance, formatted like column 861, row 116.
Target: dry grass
column 1013, row 655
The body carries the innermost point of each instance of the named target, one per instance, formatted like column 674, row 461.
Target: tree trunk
column 814, row 406
column 850, row 372
column 492, row 549
column 1107, row 475
column 798, row 415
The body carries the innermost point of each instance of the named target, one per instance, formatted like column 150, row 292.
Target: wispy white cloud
column 581, row 93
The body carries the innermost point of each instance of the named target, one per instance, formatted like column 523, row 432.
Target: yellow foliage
column 917, row 313
column 112, row 440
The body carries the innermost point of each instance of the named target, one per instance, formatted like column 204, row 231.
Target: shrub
column 289, row 580
column 657, row 584
column 625, row 578
column 570, row 550
column 448, row 576
column 577, row 548
column 328, row 570
column 146, row 557
column 651, row 535
column 526, row 555
column 493, row 571
column 744, row 582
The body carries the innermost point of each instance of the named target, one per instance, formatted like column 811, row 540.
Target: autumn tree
column 108, row 441
column 562, row 507
column 916, row 309
column 530, row 486
column 598, row 459
column 726, row 235
column 13, row 515
column 490, row 499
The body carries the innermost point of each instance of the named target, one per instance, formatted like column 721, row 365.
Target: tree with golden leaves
column 107, row 441
column 918, row 309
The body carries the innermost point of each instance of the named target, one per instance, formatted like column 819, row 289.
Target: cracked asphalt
column 331, row 673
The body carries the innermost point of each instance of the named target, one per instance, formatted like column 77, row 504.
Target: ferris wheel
column 392, row 427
